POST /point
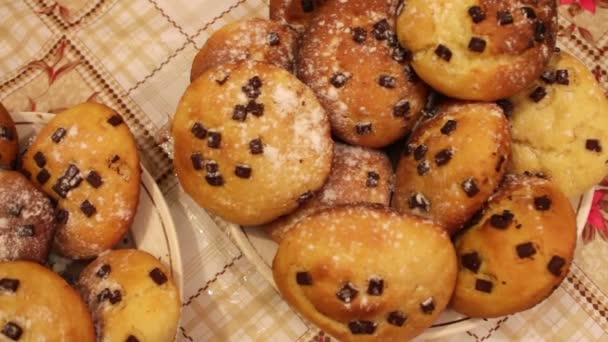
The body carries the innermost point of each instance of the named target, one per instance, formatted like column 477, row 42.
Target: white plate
column 260, row 249
column 153, row 230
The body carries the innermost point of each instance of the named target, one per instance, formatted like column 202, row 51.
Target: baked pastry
column 132, row 297
column 560, row 127
column 363, row 272
column 358, row 175
column 296, row 13
column 453, row 163
column 38, row 305
column 479, row 50
column 251, row 142
column 86, row 159
column 27, row 219
column 254, row 39
column 9, row 141
column 519, row 251
column 352, row 60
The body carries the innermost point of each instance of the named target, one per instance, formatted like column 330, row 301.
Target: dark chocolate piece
column 529, row 12
column 443, row 157
column 88, row 208
column 158, row 276
column 214, row 139
column 94, row 178
column 347, row 293
column 40, row 159
column 9, row 285
column 308, row 6
column 58, row 135
column 593, row 145
column 502, row 221
column 397, row 318
column 43, row 176
column 256, row 146
column 449, row 127
column 506, row 106
column 477, row 14
column 360, row 327
column 115, row 120
column 423, row 167
column 339, row 79
column 504, row 18
column 387, row 81
column 364, row 129
column 561, row 77
column 198, row 161
column 420, row 152
column 482, row 285
column 12, row 331
column 443, row 52
column 239, row 113
column 255, row 108
column 555, row 265
column 359, row 34
column 243, row 171
column 419, row 201
column 199, row 131
column 401, row 109
column 375, row 287
column 428, row 306
column 540, row 31
column 469, row 186
column 103, row 271
column 274, row 39
column 477, row 45
column 471, row 261
column 381, row 28
column 542, row 203
column 538, row 94
column 304, row 279
column 215, row 179
column 373, row 178
column 525, row 250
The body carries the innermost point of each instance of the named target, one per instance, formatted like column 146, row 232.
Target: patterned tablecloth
column 135, row 55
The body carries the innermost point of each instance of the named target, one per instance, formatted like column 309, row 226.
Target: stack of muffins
column 286, row 126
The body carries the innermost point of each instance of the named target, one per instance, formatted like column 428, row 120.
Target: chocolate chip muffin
column 252, row 142
column 518, row 252
column 254, row 39
column 363, row 272
column 296, row 13
column 358, row 175
column 478, row 49
column 86, row 159
column 38, row 305
column 352, row 60
column 27, row 219
column 560, row 126
column 453, row 163
column 9, row 141
column 132, row 297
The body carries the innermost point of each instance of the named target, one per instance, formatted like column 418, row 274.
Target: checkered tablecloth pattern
column 135, row 55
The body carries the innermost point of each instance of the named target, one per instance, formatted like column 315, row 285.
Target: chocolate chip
column 380, row 29
column 305, row 197
column 482, row 285
column 308, row 6
column 409, row 148
column 40, row 159
column 443, row 52
column 214, row 139
column 469, row 186
column 542, row 203
column 94, row 179
column 27, row 230
column 401, row 109
column 88, row 208
column 70, row 180
column 529, row 12
column 158, row 276
column 14, row 209
column 504, row 17
column 58, row 135
column 112, row 296
column 428, row 306
column 561, row 77
column 243, row 171
column 471, row 261
column 420, row 152
column 555, row 265
column 359, row 34
column 397, row 318
column 256, row 146
column 423, row 167
column 115, row 120
column 364, row 129
column 548, row 76
column 199, row 131
column 103, row 271
column 373, row 178
column 274, row 39
column 198, row 162
column 239, row 113
column 525, row 250
column 212, row 166
column 449, row 127
column 339, row 79
column 540, row 31
column 304, row 278
column 375, row 287
column 362, row 327
column 116, row 159
column 593, row 145
column 251, row 91
column 477, row 45
column 444, row 156
column 347, row 293
column 215, row 179
column 255, row 108
column 418, row 200
column 12, row 331
column 477, row 14
column 538, row 94
column 401, row 54
column 502, row 221
column 387, row 81
column 223, row 81
column 506, row 106
column 62, row 216
column 391, row 39
column 43, row 176
column 132, row 338
column 9, row 285
column 255, row 82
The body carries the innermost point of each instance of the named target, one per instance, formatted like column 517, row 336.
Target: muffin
column 9, row 141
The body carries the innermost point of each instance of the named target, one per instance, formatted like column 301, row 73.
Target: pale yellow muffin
column 132, row 297
column 9, row 141
column 519, row 251
column 366, row 273
column 478, row 49
column 252, row 142
column 560, row 127
column 38, row 305
column 86, row 159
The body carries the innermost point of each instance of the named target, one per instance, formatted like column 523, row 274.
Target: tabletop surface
column 135, row 56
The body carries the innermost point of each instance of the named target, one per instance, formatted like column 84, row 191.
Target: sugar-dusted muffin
column 254, row 39
column 38, row 305
column 358, row 175
column 518, row 253
column 27, row 219
column 132, row 297
column 352, row 60
column 296, row 13
column 560, row 126
column 366, row 273
column 479, row 49
column 9, row 141
column 87, row 160
column 251, row 142
column 453, row 163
